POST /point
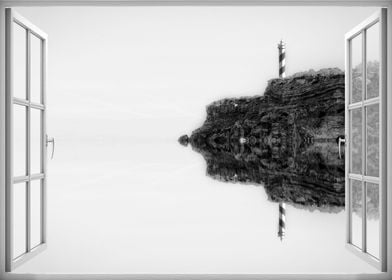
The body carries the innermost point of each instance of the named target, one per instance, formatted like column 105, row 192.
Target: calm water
column 148, row 207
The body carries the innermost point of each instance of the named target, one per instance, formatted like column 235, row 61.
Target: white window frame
column 14, row 3
column 380, row 18
column 12, row 262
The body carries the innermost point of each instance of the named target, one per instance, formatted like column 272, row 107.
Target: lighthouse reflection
column 285, row 140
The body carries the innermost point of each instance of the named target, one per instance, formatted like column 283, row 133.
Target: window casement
column 365, row 126
column 26, row 47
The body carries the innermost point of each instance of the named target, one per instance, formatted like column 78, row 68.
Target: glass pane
column 35, row 53
column 35, row 189
column 19, row 219
column 356, row 213
column 356, row 69
column 373, row 219
column 372, row 61
column 372, row 140
column 36, row 142
column 19, row 140
column 19, row 61
column 356, row 141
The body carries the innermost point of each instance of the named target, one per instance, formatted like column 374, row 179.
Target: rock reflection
column 285, row 140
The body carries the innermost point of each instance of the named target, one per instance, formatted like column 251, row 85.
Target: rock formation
column 184, row 140
column 285, row 140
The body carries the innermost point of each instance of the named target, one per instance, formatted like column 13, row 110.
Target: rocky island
column 285, row 140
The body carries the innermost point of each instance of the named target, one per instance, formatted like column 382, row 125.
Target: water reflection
column 285, row 140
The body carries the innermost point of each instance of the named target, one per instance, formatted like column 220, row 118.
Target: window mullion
column 363, row 140
column 43, row 139
column 348, row 127
column 28, row 145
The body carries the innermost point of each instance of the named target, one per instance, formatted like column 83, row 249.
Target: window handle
column 341, row 140
column 50, row 140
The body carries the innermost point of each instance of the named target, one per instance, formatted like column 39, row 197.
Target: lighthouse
column 282, row 59
column 282, row 221
column 282, row 205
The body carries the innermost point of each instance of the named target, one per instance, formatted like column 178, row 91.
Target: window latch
column 341, row 140
column 50, row 140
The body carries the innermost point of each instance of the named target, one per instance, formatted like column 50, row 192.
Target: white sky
column 124, row 84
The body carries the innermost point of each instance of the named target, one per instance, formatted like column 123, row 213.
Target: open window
column 365, row 128
column 25, row 143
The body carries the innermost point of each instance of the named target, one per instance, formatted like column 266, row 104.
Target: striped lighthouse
column 282, row 59
column 282, row 220
column 282, row 205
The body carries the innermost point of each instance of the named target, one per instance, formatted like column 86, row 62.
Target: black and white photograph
column 196, row 138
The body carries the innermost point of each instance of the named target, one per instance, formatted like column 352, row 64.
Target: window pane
column 372, row 61
column 35, row 189
column 373, row 219
column 19, row 61
column 356, row 141
column 356, row 213
column 356, row 69
column 36, row 142
column 19, row 140
column 35, row 53
column 19, row 219
column 372, row 140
